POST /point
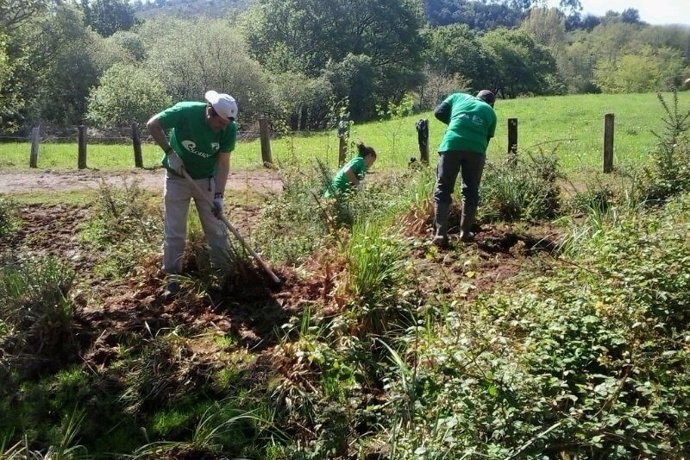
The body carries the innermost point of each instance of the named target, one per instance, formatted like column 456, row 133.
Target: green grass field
column 570, row 126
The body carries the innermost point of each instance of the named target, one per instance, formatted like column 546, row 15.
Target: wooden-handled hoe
column 234, row 231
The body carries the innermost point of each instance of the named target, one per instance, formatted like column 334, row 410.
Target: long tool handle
column 234, row 231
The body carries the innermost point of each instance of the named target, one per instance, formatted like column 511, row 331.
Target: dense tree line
column 308, row 61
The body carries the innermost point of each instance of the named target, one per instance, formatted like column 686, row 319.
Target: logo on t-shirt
column 191, row 147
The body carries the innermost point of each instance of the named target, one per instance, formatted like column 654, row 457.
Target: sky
column 651, row 11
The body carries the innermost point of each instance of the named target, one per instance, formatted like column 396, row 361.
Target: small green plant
column 37, row 314
column 524, row 191
column 7, row 215
column 124, row 223
column 671, row 172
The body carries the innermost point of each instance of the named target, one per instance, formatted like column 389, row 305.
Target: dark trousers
column 471, row 166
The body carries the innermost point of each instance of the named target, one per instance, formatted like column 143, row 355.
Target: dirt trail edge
column 41, row 181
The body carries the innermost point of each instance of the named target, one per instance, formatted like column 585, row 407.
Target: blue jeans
column 471, row 166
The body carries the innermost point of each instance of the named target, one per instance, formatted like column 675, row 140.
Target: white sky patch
column 651, row 11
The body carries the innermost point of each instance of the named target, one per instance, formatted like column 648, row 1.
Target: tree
column 522, row 66
column 455, row 50
column 302, row 102
column 479, row 16
column 58, row 65
column 640, row 71
column 310, row 36
column 631, row 16
column 12, row 12
column 127, row 93
column 10, row 99
column 191, row 57
column 546, row 26
column 313, row 32
column 109, row 16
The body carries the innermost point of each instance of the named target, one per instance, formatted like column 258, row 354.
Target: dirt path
column 37, row 181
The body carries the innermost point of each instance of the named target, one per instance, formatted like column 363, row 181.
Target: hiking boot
column 466, row 237
column 171, row 290
column 441, row 241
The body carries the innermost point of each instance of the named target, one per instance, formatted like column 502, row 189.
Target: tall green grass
column 570, row 125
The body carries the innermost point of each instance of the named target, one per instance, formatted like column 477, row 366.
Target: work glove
column 217, row 206
column 175, row 163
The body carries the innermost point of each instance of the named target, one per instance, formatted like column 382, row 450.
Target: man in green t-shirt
column 471, row 124
column 200, row 137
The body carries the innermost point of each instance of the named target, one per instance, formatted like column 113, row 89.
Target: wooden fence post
column 136, row 144
column 423, row 140
column 342, row 141
column 266, row 156
column 35, row 141
column 512, row 139
column 608, row 142
column 81, row 161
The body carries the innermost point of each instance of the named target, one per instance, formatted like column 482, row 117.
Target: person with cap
column 471, row 124
column 197, row 137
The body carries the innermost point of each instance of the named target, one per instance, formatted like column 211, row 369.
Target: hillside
column 186, row 9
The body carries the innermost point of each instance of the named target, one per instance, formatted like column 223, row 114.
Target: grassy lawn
column 570, row 126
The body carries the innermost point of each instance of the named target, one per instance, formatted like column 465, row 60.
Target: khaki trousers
column 178, row 193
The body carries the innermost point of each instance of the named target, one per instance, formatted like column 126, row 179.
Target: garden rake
column 234, row 231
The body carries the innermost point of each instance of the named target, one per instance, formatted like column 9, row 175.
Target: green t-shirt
column 341, row 183
column 194, row 140
column 472, row 123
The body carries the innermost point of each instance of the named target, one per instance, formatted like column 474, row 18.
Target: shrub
column 523, row 191
column 7, row 220
column 671, row 172
column 36, row 326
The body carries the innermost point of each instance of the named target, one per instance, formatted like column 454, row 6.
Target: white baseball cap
column 224, row 104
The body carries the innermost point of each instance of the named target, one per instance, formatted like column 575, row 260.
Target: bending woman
column 351, row 175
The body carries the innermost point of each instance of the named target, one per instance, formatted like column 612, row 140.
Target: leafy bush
column 523, row 191
column 589, row 360
column 671, row 172
column 124, row 223
column 127, row 93
column 294, row 222
column 36, row 315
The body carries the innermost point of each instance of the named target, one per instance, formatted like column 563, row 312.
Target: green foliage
column 293, row 223
column 108, row 16
column 8, row 219
column 547, row 27
column 522, row 66
column 645, row 70
column 124, row 224
column 445, row 44
column 126, row 94
column 190, row 57
column 582, row 361
column 10, row 97
column 35, row 316
column 376, row 66
column 372, row 262
column 14, row 12
column 302, row 101
column 523, row 191
column 59, row 67
column 671, row 172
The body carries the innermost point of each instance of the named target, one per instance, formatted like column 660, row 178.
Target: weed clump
column 526, row 190
column 36, row 315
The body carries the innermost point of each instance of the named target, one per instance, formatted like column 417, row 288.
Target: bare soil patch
column 42, row 181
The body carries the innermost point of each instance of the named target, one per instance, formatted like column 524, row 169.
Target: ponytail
column 365, row 150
